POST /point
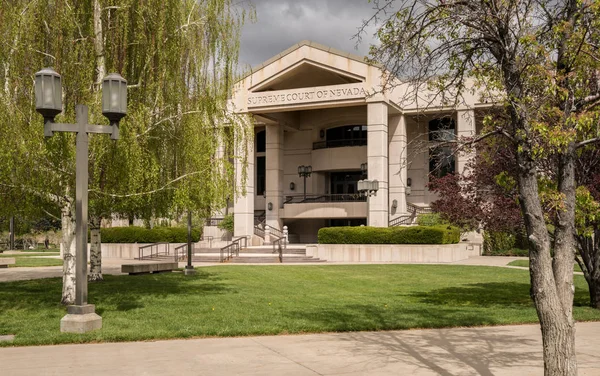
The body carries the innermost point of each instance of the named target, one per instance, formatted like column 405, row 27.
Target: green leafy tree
column 538, row 60
column 178, row 57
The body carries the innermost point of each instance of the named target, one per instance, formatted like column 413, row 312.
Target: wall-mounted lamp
column 408, row 182
column 394, row 204
column 270, row 206
column 292, row 186
column 322, row 133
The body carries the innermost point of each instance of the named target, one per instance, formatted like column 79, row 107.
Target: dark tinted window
column 261, row 176
column 441, row 159
column 261, row 142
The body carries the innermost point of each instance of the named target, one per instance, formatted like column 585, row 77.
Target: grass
column 259, row 300
column 525, row 264
column 30, row 260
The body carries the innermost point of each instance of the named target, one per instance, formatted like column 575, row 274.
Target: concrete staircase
column 259, row 255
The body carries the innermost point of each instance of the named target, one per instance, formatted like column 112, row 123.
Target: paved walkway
column 508, row 350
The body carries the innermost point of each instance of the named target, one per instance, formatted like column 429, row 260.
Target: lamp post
column 80, row 317
column 364, row 169
column 304, row 172
column 368, row 188
column 189, row 268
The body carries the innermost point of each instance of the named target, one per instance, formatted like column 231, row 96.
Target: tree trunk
column 95, row 251
column 99, row 43
column 553, row 304
column 68, row 249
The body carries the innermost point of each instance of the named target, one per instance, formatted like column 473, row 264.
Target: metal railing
column 181, row 253
column 340, row 197
column 208, row 239
column 339, row 143
column 233, row 249
column 278, row 247
column 409, row 219
column 213, row 221
column 152, row 248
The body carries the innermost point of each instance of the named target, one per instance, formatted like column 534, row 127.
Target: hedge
column 134, row 234
column 391, row 235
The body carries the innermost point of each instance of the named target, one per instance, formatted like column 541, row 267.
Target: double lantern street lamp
column 81, row 316
column 304, row 172
column 368, row 188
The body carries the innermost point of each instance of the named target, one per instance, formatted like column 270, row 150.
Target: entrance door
column 344, row 182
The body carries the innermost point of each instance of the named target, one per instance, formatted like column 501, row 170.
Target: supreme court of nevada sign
column 307, row 95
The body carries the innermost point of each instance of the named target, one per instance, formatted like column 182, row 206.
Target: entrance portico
column 315, row 106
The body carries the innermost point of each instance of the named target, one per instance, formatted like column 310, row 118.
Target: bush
column 134, row 234
column 497, row 243
column 227, row 223
column 391, row 235
column 432, row 219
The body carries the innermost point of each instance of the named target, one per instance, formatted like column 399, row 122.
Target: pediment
column 306, row 73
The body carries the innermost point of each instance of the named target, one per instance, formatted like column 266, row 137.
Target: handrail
column 152, row 254
column 183, row 253
column 338, row 197
column 233, row 249
column 408, row 219
column 277, row 248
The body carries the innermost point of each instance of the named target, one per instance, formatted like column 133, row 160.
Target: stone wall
column 401, row 253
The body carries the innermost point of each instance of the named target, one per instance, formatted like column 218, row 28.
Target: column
column 377, row 159
column 274, row 174
column 243, row 207
column 397, row 165
column 465, row 127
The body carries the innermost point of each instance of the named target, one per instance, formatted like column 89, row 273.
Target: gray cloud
column 283, row 23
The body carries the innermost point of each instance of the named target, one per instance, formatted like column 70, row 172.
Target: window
column 347, row 135
column 441, row 159
column 261, row 142
column 261, row 176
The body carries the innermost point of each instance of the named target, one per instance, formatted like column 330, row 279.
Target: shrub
column 134, row 234
column 392, row 235
column 227, row 223
column 496, row 243
column 431, row 219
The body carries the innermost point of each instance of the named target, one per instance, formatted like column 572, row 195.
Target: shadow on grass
column 506, row 294
column 121, row 293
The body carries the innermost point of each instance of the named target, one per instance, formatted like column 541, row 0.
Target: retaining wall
column 401, row 253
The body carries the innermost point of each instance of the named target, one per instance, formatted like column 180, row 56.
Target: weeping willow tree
column 178, row 57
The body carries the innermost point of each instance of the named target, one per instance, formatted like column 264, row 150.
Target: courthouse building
column 322, row 110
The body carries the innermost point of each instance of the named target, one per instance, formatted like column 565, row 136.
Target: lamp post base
column 80, row 319
column 189, row 270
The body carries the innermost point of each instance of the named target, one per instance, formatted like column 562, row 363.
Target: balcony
column 339, row 143
column 325, row 206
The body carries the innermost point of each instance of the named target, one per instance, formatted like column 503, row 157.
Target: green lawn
column 255, row 300
column 525, row 264
column 30, row 260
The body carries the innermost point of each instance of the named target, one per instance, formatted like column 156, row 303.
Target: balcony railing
column 339, row 143
column 317, row 198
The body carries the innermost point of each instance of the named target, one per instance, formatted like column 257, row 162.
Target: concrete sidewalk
column 508, row 350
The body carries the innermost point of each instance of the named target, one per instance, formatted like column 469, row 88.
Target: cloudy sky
column 283, row 23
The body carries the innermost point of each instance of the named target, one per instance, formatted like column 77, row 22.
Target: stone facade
column 319, row 107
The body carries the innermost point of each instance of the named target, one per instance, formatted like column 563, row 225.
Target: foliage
column 227, row 223
column 431, row 219
column 539, row 62
column 134, row 234
column 440, row 234
column 229, row 301
column 497, row 243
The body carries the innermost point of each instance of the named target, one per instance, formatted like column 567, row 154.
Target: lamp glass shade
column 48, row 93
column 300, row 170
column 361, row 186
column 375, row 186
column 114, row 97
column 309, row 170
